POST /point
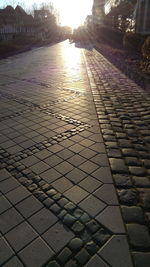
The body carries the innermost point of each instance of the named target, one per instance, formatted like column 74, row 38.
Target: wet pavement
column 75, row 161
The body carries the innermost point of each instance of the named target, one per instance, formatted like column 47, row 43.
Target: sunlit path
column 59, row 204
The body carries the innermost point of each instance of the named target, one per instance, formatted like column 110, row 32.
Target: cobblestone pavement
column 123, row 111
column 58, row 140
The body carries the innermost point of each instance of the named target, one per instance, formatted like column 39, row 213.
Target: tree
column 45, row 6
column 14, row 3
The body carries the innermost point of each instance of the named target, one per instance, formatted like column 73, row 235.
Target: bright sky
column 72, row 12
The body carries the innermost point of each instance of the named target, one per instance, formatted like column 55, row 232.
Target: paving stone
column 50, row 175
column 84, row 218
column 32, row 256
column 138, row 235
column 118, row 165
column 88, row 167
column 90, row 184
column 103, row 174
column 69, row 219
column 141, row 259
column 77, row 227
column 64, row 255
column 144, row 195
column 92, row 226
column 132, row 161
column 4, row 174
column 55, row 208
column 4, row 204
column 82, row 257
column 71, row 263
column 62, row 214
column 42, row 220
column 6, row 251
column 75, row 244
column 107, row 193
column 29, row 206
column 62, row 202
column 146, row 163
column 57, row 197
column 101, row 236
column 91, row 247
column 46, row 187
column 138, row 171
column 128, row 197
column 9, row 219
column 76, row 148
column 132, row 214
column 122, row 180
column 76, row 194
column 8, row 185
column 129, row 152
column 53, row 264
column 147, row 214
column 88, row 153
column 96, row 261
column 111, row 218
column 39, row 167
column 62, row 184
column 14, row 262
column 51, row 192
column 65, row 154
column 64, row 168
column 18, row 194
column 116, row 252
column 43, row 154
column 92, row 205
column 58, row 236
column 76, row 175
column 76, row 160
column 21, row 236
column 114, row 153
column 70, row 206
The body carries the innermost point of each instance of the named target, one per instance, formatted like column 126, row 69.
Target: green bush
column 133, row 41
column 146, row 48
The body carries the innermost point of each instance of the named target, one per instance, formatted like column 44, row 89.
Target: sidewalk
column 67, row 140
column 123, row 111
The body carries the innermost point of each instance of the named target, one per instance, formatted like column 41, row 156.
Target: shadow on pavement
column 86, row 45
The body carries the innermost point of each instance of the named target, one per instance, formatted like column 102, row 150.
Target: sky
column 72, row 12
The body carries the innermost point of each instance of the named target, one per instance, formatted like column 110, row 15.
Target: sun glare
column 74, row 12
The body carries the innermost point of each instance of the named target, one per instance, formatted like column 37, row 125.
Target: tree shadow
column 86, row 45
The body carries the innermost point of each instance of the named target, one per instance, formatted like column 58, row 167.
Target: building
column 15, row 22
column 129, row 15
column 143, row 17
column 98, row 12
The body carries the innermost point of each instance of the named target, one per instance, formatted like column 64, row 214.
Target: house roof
column 16, row 16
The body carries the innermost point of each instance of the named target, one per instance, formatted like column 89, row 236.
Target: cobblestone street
column 75, row 162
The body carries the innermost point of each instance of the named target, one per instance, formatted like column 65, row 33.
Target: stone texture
column 58, row 236
column 102, row 194
column 96, row 261
column 6, row 251
column 132, row 214
column 82, row 257
column 32, row 256
column 138, row 235
column 116, row 252
column 111, row 219
column 75, row 244
column 128, row 197
column 118, row 165
column 92, row 205
column 141, row 259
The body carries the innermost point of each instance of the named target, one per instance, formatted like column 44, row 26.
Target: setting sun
column 73, row 12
